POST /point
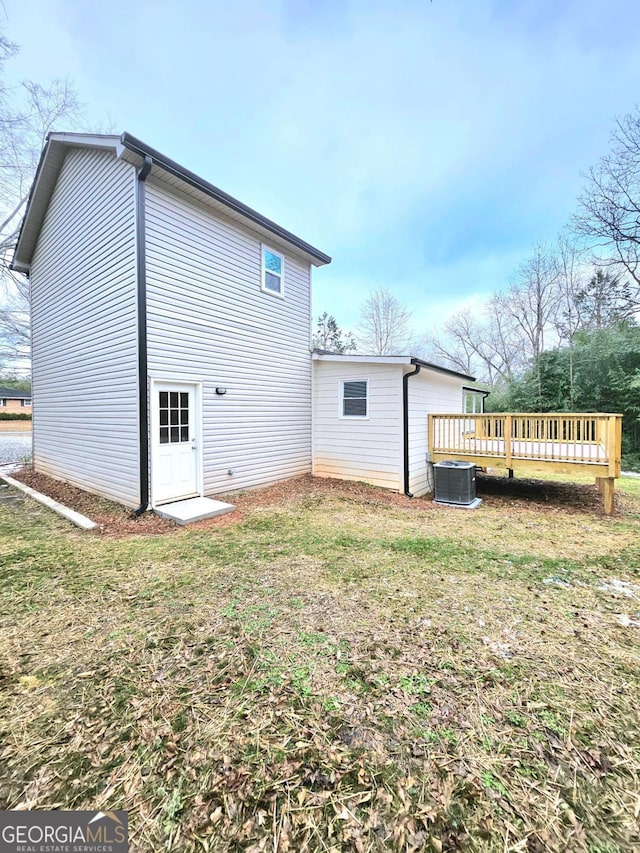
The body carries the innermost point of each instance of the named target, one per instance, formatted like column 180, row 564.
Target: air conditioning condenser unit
column 455, row 484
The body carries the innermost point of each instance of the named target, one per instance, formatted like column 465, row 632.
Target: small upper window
column 3, row 402
column 26, row 402
column 354, row 399
column 272, row 271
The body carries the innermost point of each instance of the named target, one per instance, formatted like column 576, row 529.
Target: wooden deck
column 567, row 443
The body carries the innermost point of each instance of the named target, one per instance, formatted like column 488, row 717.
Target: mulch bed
column 117, row 521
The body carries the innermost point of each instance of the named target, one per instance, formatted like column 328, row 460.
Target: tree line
column 563, row 335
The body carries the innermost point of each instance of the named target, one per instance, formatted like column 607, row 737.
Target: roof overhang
column 44, row 183
column 364, row 359
column 14, row 394
column 133, row 151
column 391, row 359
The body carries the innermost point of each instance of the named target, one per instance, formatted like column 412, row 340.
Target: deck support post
column 600, row 484
column 609, row 484
column 508, row 439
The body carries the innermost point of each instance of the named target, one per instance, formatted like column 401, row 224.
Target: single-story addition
column 171, row 346
column 370, row 416
column 15, row 402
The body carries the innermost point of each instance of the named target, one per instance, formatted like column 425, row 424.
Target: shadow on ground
column 581, row 496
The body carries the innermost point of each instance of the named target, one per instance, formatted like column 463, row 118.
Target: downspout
column 405, row 426
column 141, row 276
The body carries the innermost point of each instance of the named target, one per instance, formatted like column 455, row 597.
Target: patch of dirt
column 117, row 521
column 15, row 426
column 112, row 518
column 570, row 495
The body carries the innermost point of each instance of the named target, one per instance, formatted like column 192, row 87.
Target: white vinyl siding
column 83, row 314
column 429, row 392
column 209, row 321
column 357, row 448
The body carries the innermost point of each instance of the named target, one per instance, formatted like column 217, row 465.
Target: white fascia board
column 364, row 359
column 86, row 140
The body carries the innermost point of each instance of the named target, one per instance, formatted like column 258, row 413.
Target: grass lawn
column 333, row 670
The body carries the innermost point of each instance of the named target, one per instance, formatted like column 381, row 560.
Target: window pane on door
column 174, row 416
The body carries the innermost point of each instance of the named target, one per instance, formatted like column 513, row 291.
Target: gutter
column 141, row 283
column 178, row 171
column 405, row 424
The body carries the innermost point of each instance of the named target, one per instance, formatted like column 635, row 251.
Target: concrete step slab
column 193, row 509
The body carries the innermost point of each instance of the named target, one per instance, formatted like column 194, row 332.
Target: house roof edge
column 131, row 143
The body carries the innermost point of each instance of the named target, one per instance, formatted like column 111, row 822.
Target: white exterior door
column 175, row 453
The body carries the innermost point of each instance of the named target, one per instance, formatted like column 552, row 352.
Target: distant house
column 171, row 341
column 16, row 402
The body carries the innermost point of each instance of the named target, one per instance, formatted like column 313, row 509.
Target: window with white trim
column 3, row 402
column 272, row 271
column 472, row 402
column 354, row 398
column 25, row 402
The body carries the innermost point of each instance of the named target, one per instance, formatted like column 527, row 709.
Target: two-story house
column 171, row 341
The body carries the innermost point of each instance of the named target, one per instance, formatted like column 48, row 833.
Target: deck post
column 508, row 440
column 430, row 435
column 609, row 488
column 600, row 484
column 614, row 444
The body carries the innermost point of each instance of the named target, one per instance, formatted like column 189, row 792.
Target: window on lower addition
column 272, row 271
column 354, row 399
column 174, row 417
column 472, row 403
column 25, row 402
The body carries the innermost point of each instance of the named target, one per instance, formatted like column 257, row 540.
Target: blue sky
column 424, row 145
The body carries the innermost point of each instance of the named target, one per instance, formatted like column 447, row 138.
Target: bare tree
column 27, row 114
column 452, row 347
column 609, row 207
column 531, row 301
column 484, row 344
column 385, row 325
column 568, row 310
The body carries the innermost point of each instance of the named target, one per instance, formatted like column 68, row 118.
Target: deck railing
column 587, row 439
